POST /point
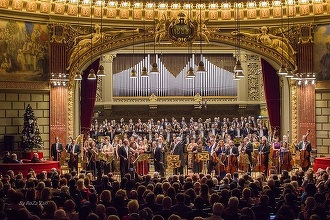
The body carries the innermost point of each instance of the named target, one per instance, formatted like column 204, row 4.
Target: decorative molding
column 173, row 100
column 99, row 89
column 25, row 85
column 253, row 77
column 108, row 58
column 294, row 113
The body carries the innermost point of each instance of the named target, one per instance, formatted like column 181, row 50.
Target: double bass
column 260, row 166
column 304, row 154
column 231, row 166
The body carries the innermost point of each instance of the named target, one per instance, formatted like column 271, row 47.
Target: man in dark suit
column 158, row 158
column 305, row 145
column 264, row 149
column 178, row 150
column 123, row 153
column 248, row 150
column 74, row 150
column 56, row 150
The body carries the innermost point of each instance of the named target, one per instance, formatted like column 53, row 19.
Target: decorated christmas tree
column 30, row 135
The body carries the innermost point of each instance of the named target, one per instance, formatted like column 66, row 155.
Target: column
column 242, row 84
column 76, row 111
column 306, row 93
column 58, row 93
column 107, row 89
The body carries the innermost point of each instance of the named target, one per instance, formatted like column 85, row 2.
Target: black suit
column 308, row 147
column 158, row 160
column 178, row 150
column 74, row 151
column 264, row 148
column 55, row 150
column 248, row 151
column 123, row 156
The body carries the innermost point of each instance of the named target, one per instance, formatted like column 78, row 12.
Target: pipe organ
column 215, row 82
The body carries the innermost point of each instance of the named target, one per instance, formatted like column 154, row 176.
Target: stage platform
column 24, row 167
column 321, row 162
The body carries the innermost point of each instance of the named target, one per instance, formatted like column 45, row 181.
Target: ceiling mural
column 23, row 51
column 322, row 52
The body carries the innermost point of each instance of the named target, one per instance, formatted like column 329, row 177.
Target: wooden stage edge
column 25, row 167
column 319, row 163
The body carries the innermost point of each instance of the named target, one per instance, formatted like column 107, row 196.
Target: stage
column 24, row 167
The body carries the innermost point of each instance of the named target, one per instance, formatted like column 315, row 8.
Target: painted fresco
column 23, row 51
column 322, row 52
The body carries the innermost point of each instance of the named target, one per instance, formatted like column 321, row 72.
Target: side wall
column 12, row 109
column 322, row 104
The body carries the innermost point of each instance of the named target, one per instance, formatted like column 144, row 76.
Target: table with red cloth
column 26, row 166
column 321, row 162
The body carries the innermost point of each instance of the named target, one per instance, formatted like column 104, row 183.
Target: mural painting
column 322, row 52
column 23, row 51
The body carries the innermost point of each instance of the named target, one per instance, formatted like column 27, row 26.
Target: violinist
column 108, row 151
column 92, row 154
column 264, row 150
column 305, row 145
column 142, row 148
column 197, row 164
column 192, row 153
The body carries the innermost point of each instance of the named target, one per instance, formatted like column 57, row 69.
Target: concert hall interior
column 172, row 87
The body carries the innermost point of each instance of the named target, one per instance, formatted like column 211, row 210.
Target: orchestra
column 234, row 147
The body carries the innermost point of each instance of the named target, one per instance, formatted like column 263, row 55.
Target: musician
column 56, row 149
column 93, row 158
column 123, row 153
column 178, row 150
column 212, row 148
column 74, row 150
column 197, row 166
column 158, row 158
column 221, row 153
column 191, row 156
column 275, row 150
column 108, row 151
column 264, row 149
column 304, row 144
column 232, row 149
column 248, row 150
column 162, row 144
column 283, row 149
column 142, row 166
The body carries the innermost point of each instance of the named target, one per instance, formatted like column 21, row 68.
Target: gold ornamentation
column 182, row 31
column 294, row 112
column 306, row 34
column 198, row 97
column 58, row 32
column 153, row 98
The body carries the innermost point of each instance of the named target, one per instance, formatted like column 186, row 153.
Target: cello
column 304, row 154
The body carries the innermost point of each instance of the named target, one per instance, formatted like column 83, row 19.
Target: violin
column 304, row 154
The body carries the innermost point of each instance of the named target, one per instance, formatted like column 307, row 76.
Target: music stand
column 203, row 156
column 141, row 158
column 173, row 161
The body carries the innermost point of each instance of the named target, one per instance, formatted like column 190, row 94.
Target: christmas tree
column 30, row 135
